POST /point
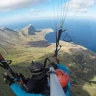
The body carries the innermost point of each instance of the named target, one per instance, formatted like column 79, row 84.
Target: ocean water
column 82, row 31
column 38, row 24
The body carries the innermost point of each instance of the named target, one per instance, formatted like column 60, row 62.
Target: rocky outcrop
column 29, row 30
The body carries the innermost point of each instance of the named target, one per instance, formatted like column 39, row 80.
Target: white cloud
column 81, row 5
column 83, row 10
column 7, row 5
column 35, row 10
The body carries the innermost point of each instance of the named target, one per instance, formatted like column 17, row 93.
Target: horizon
column 50, row 23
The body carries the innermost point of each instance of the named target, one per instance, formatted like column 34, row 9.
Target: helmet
column 62, row 77
column 1, row 58
column 36, row 67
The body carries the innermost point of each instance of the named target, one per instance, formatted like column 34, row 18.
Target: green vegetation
column 23, row 56
column 22, row 50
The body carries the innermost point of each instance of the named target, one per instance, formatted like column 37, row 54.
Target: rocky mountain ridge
column 26, row 34
column 29, row 30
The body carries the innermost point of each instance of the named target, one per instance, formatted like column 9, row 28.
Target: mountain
column 7, row 29
column 26, row 33
column 29, row 30
column 26, row 36
column 8, row 36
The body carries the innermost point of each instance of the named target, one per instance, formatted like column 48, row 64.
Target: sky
column 24, row 10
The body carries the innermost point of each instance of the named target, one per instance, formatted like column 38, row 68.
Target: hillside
column 29, row 30
column 80, row 61
column 30, row 34
column 8, row 36
column 26, row 36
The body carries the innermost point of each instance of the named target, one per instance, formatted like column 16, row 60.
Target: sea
column 82, row 31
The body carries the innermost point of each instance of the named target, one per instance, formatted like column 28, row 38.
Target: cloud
column 83, row 10
column 81, row 5
column 35, row 10
column 8, row 5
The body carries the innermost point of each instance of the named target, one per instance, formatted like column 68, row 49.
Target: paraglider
column 58, row 83
column 38, row 83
